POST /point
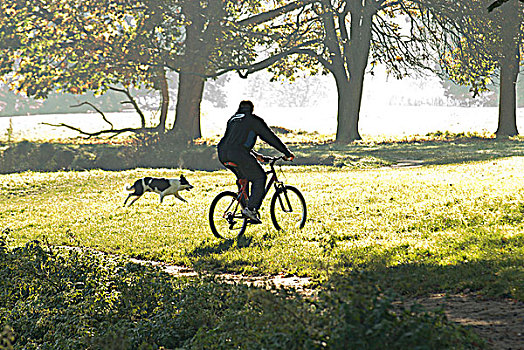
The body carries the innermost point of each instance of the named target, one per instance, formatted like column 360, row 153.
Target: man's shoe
column 252, row 215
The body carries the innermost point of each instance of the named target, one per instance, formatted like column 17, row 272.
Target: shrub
column 347, row 313
column 73, row 299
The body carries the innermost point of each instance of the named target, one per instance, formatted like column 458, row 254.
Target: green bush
column 74, row 299
column 345, row 314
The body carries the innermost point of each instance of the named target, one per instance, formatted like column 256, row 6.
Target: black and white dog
column 161, row 186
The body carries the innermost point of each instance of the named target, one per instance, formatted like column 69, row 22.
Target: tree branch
column 266, row 62
column 131, row 102
column 96, row 109
column 101, row 132
column 269, row 15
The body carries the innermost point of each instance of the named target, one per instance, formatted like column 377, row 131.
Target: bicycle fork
column 285, row 204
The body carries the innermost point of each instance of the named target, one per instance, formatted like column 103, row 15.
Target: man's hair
column 246, row 106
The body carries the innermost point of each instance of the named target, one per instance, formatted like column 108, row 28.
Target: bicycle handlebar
column 272, row 160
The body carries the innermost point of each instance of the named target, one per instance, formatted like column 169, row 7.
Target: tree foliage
column 486, row 46
column 344, row 38
column 65, row 45
column 76, row 46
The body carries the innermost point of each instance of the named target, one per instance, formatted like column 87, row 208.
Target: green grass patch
column 437, row 228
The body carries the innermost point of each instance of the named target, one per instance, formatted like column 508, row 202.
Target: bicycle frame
column 273, row 180
column 278, row 186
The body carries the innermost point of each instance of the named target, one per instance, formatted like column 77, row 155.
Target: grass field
column 439, row 227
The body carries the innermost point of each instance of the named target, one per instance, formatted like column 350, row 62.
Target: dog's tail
column 129, row 188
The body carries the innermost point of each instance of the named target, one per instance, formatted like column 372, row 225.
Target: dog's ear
column 182, row 177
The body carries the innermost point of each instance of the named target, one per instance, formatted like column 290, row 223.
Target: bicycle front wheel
column 288, row 209
column 225, row 217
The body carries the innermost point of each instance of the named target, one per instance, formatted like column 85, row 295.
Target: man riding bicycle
column 235, row 151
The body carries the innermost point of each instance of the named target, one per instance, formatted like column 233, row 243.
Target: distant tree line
column 13, row 103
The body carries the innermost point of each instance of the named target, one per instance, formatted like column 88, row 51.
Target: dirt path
column 299, row 283
column 499, row 322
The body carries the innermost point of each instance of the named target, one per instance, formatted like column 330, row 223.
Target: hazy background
column 415, row 105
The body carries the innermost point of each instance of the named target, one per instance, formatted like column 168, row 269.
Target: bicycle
column 287, row 207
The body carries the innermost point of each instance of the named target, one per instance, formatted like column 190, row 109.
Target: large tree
column 346, row 37
column 73, row 46
column 487, row 45
column 219, row 37
column 76, row 46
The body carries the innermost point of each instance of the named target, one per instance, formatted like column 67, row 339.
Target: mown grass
column 451, row 227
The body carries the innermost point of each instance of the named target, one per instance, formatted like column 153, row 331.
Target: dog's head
column 184, row 184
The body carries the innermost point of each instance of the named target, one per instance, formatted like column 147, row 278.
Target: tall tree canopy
column 345, row 37
column 74, row 45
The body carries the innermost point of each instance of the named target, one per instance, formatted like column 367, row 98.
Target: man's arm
column 267, row 135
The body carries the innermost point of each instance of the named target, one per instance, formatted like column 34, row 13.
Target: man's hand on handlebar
column 266, row 159
column 289, row 158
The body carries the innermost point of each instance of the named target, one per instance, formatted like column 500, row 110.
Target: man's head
column 246, row 107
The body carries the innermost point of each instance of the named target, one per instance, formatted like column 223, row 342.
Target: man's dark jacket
column 241, row 135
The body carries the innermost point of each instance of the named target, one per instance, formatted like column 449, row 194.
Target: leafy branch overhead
column 96, row 44
column 62, row 45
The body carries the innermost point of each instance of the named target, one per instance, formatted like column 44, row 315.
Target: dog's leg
column 179, row 197
column 129, row 196
column 133, row 201
column 161, row 198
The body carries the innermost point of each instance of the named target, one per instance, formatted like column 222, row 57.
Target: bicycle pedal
column 253, row 222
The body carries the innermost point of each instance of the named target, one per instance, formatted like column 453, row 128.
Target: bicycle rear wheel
column 225, row 217
column 288, row 209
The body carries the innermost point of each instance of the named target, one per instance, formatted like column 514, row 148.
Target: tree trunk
column 191, row 76
column 507, row 123
column 187, row 122
column 509, row 71
column 164, row 108
column 347, row 114
column 350, row 92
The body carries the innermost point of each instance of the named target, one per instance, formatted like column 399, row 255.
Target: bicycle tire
column 282, row 219
column 226, row 225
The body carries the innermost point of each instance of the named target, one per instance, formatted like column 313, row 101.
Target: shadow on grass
column 446, row 152
column 415, row 152
column 478, row 263
column 222, row 246
column 494, row 278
